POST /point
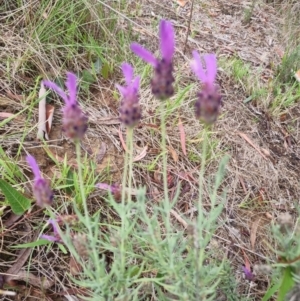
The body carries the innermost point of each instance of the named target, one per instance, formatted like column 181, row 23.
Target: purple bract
column 162, row 80
column 207, row 106
column 55, row 237
column 130, row 110
column 248, row 274
column 41, row 188
column 75, row 122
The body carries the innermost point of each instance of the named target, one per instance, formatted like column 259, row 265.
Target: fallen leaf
column 173, row 154
column 14, row 96
column 244, row 136
column 266, row 152
column 157, row 176
column 246, row 261
column 49, row 117
column 21, row 259
column 253, row 232
column 7, row 293
column 182, row 3
column 29, row 278
column 182, row 136
column 269, row 215
column 4, row 115
column 141, row 155
column 297, row 75
column 42, row 131
column 179, row 218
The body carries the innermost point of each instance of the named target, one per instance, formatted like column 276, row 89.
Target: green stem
column 128, row 159
column 165, row 162
column 202, row 170
column 198, row 230
column 130, row 176
column 81, row 184
column 125, row 171
column 164, row 149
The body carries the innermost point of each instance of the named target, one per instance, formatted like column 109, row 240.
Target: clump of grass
column 289, row 66
column 286, row 269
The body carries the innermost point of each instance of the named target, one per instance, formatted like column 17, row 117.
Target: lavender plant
column 149, row 258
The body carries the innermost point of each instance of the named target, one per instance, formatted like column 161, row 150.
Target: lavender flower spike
column 74, row 120
column 130, row 110
column 162, row 80
column 41, row 188
column 208, row 105
column 55, row 237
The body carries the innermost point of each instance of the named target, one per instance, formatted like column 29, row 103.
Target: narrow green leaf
column 105, row 71
column 270, row 292
column 286, row 284
column 18, row 203
column 40, row 242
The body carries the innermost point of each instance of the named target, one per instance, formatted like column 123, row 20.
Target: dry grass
column 259, row 186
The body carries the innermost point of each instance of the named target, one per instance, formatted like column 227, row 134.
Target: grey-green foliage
column 285, row 272
column 289, row 65
column 136, row 258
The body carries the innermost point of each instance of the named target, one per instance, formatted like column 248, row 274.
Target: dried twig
column 189, row 27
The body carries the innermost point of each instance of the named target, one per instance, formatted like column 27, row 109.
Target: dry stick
column 189, row 27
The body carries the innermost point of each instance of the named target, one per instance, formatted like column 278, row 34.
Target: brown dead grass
column 257, row 188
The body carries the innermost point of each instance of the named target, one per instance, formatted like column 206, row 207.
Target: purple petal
column 136, row 84
column 143, row 53
column 53, row 223
column 103, row 186
column 197, row 67
column 167, row 40
column 248, row 274
column 128, row 73
column 72, row 87
column 34, row 166
column 49, row 237
column 211, row 67
column 122, row 90
column 57, row 89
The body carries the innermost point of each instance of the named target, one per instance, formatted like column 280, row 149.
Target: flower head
column 55, row 237
column 130, row 110
column 209, row 99
column 41, row 188
column 114, row 189
column 248, row 274
column 162, row 80
column 75, row 122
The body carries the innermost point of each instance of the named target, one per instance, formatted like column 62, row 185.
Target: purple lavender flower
column 248, row 274
column 130, row 110
column 75, row 122
column 114, row 189
column 55, row 237
column 162, row 80
column 41, row 188
column 209, row 99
